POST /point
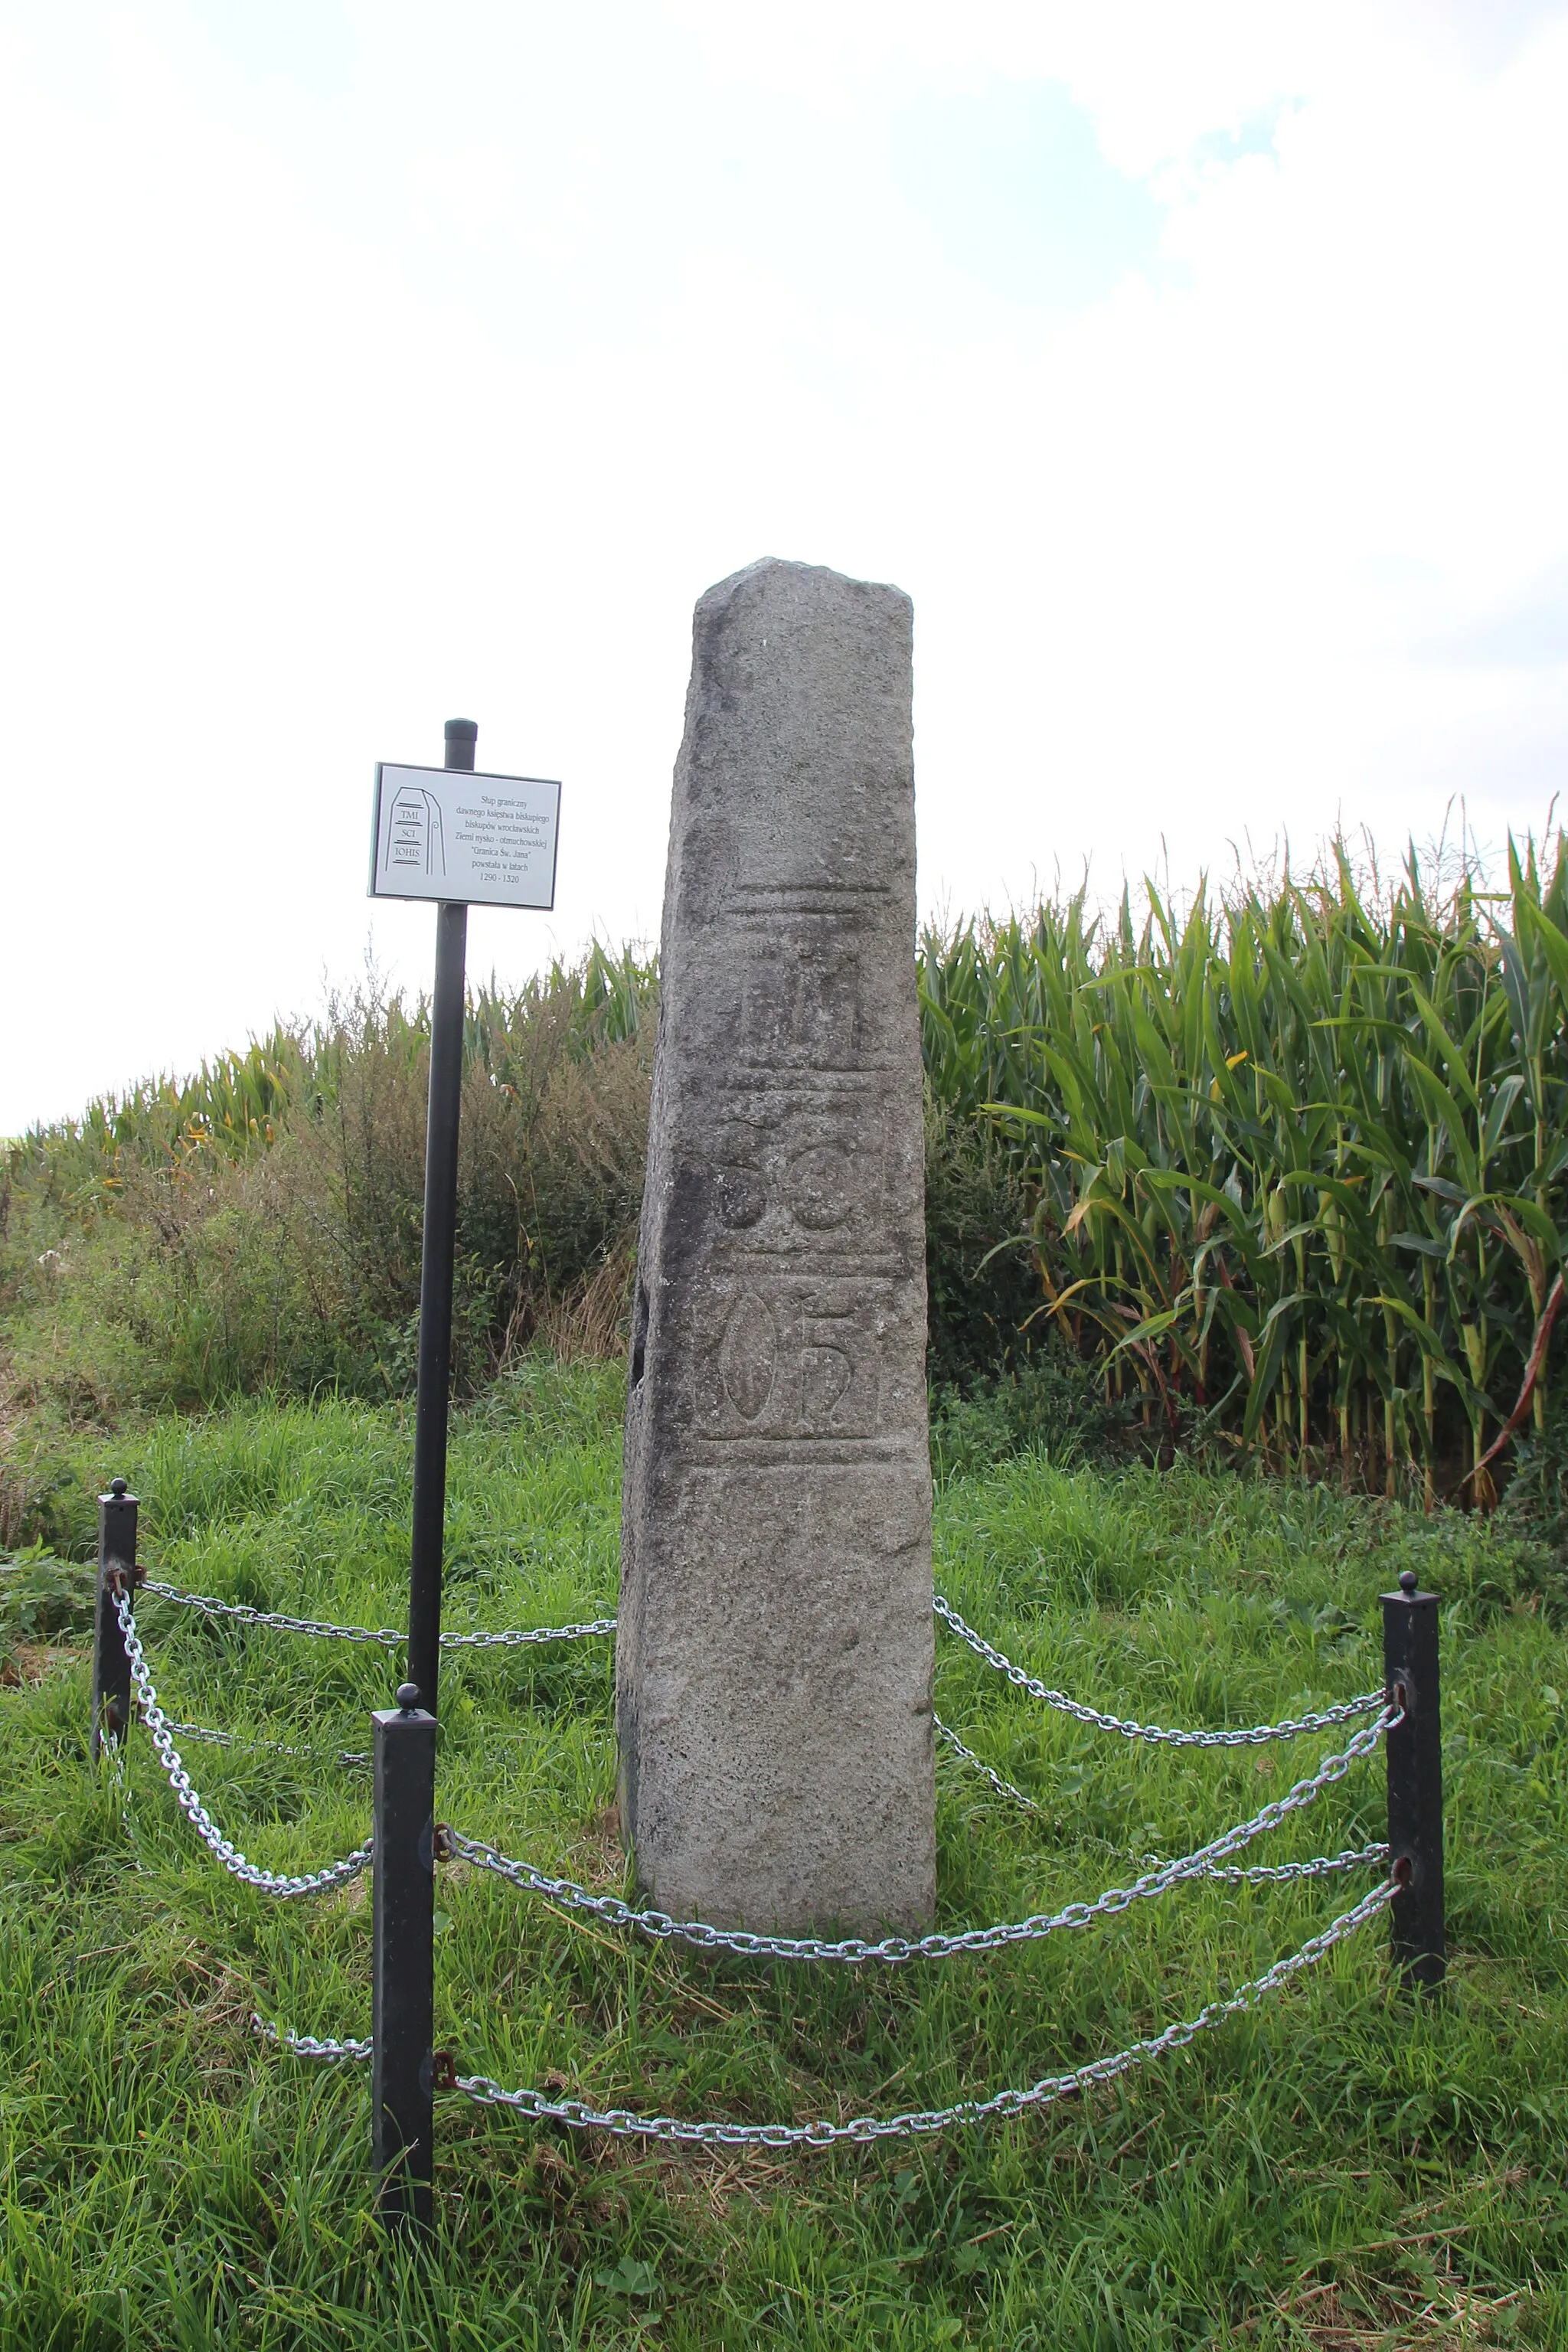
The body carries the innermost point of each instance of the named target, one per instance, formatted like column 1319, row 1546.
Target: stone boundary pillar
column 776, row 1644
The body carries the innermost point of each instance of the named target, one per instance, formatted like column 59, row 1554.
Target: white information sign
column 480, row 841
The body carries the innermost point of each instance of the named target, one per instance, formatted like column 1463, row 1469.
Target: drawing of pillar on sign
column 414, row 841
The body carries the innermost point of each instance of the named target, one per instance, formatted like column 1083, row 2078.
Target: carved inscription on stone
column 793, row 1357
column 801, row 1284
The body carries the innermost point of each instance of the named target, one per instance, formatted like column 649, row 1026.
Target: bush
column 1050, row 1402
column 179, row 1249
column 982, row 1287
column 1536, row 1502
column 42, row 1599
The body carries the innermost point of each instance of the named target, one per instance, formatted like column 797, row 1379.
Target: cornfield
column 1297, row 1160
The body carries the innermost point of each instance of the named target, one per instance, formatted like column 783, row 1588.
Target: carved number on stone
column 749, row 1356
column 826, row 1373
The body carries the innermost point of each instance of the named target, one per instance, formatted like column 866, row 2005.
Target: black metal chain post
column 1414, row 1781
column 112, row 1710
column 436, row 1272
column 403, row 1996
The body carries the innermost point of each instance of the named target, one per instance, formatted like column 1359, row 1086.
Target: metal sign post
column 439, row 1246
column 460, row 838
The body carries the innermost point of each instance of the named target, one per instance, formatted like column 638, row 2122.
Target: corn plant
column 1299, row 1158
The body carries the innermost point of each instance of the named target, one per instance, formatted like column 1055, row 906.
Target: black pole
column 116, row 1567
column 1414, row 1781
column 403, row 1989
column 436, row 1274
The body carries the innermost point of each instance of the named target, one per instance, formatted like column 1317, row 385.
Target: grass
column 1338, row 2168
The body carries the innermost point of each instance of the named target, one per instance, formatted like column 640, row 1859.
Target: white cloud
column 369, row 375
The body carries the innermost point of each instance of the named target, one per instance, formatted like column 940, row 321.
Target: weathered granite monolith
column 773, row 1662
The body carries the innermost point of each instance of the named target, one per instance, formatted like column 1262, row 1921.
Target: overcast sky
column 1201, row 370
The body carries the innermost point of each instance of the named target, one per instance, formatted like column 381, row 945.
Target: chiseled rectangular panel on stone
column 774, row 1653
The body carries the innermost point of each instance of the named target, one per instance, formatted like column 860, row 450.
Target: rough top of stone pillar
column 799, row 704
column 775, row 1651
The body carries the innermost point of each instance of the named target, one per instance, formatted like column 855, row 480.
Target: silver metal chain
column 518, row 1639
column 387, row 1635
column 269, row 1882
column 1254, row 1875
column 625, row 2123
column 1324, row 1720
column 940, row 1945
column 308, row 2046
column 1277, row 1874
column 351, row 1760
column 207, row 1607
column 1258, row 1874
column 1003, row 1788
column 1206, row 1863
column 522, row 1637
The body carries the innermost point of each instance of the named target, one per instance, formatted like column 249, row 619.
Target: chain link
column 1153, row 1884
column 517, row 1640
column 207, row 1606
column 1277, row 1874
column 1326, row 1720
column 388, row 1636
column 308, row 2045
column 269, row 1882
column 520, row 1637
column 626, row 2124
column 1258, row 1874
column 349, row 1759
column 1206, row 1863
column 1003, row 1788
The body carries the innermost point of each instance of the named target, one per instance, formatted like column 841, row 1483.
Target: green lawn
column 1338, row 2168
